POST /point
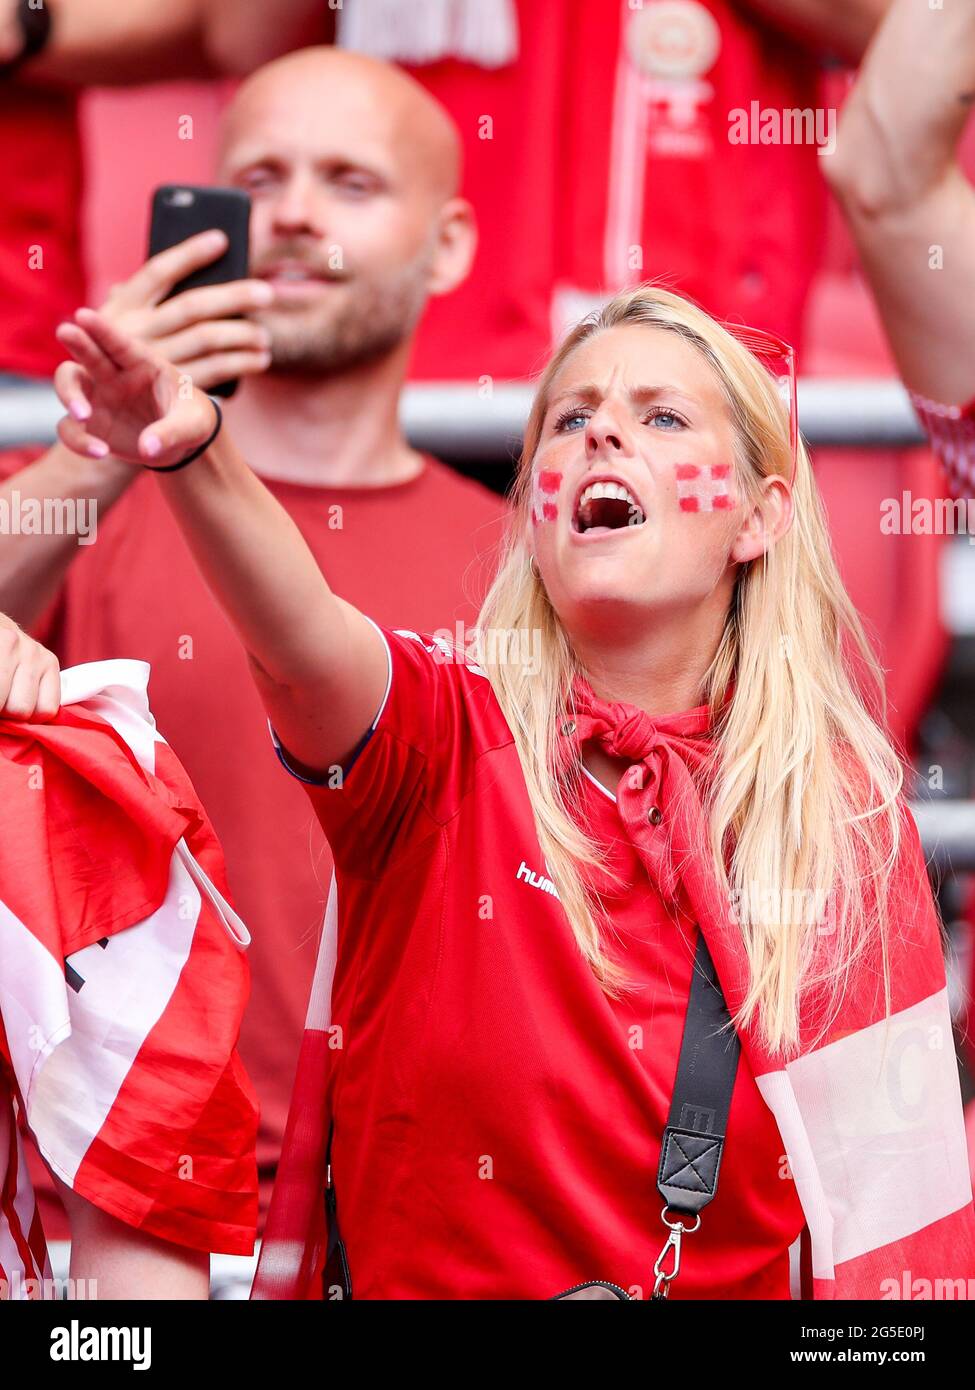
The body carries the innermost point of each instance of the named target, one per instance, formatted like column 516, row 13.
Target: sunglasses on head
column 779, row 360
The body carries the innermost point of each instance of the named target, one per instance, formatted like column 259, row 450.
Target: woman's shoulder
column 447, row 686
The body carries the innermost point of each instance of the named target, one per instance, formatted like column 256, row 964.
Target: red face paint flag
column 545, row 488
column 704, row 487
column 122, row 982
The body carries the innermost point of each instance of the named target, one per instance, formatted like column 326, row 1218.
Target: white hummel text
column 536, row 880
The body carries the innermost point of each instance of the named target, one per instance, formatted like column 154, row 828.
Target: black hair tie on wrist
column 172, row 467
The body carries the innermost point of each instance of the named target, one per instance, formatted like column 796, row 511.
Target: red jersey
column 41, row 279
column 498, row 1118
column 623, row 143
column 411, row 549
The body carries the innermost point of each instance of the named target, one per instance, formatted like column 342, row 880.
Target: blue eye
column 573, row 414
column 664, row 414
column 564, row 422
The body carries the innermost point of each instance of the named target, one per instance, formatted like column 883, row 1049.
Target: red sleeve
column 411, row 768
column 951, row 430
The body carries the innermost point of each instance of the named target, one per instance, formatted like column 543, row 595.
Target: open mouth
column 607, row 506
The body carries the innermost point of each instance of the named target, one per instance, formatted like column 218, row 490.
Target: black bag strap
column 336, row 1275
column 690, row 1156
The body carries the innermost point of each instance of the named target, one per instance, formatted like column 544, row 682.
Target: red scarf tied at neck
column 660, row 805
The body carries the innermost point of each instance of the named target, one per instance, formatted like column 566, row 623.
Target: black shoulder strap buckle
column 690, row 1156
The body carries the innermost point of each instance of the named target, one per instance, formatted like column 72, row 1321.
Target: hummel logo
column 536, row 880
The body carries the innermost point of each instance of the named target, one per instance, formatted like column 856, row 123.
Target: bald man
column 49, row 52
column 353, row 171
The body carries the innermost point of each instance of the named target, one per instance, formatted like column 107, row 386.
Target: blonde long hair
column 804, row 786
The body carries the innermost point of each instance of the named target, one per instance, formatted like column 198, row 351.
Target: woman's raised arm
column 319, row 664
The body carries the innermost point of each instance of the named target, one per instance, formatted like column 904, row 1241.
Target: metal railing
column 467, row 421
column 463, row 420
column 947, row 830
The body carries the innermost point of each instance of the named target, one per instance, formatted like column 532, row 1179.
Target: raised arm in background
column 243, row 34
column 839, row 27
column 319, row 664
column 107, row 42
column 908, row 203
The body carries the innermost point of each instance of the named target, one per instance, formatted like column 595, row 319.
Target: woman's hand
column 30, row 679
column 124, row 400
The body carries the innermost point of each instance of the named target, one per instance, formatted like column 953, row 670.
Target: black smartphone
column 180, row 211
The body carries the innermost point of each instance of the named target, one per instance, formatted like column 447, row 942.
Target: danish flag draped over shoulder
column 122, row 982
column 870, row 1115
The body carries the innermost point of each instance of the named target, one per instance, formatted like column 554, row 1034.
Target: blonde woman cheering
column 628, row 900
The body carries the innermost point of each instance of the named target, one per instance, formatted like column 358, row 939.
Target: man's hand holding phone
column 198, row 331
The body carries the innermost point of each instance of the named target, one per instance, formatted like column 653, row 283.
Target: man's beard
column 373, row 321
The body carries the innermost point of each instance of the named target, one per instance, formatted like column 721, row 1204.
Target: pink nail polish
column 152, row 446
column 97, row 449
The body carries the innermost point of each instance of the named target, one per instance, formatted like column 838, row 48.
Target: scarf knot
column 657, row 798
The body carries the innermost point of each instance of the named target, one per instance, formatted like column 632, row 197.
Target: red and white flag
column 295, row 1235
column 122, row 982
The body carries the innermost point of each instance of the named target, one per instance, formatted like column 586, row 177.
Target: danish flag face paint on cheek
column 545, row 488
column 704, row 487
